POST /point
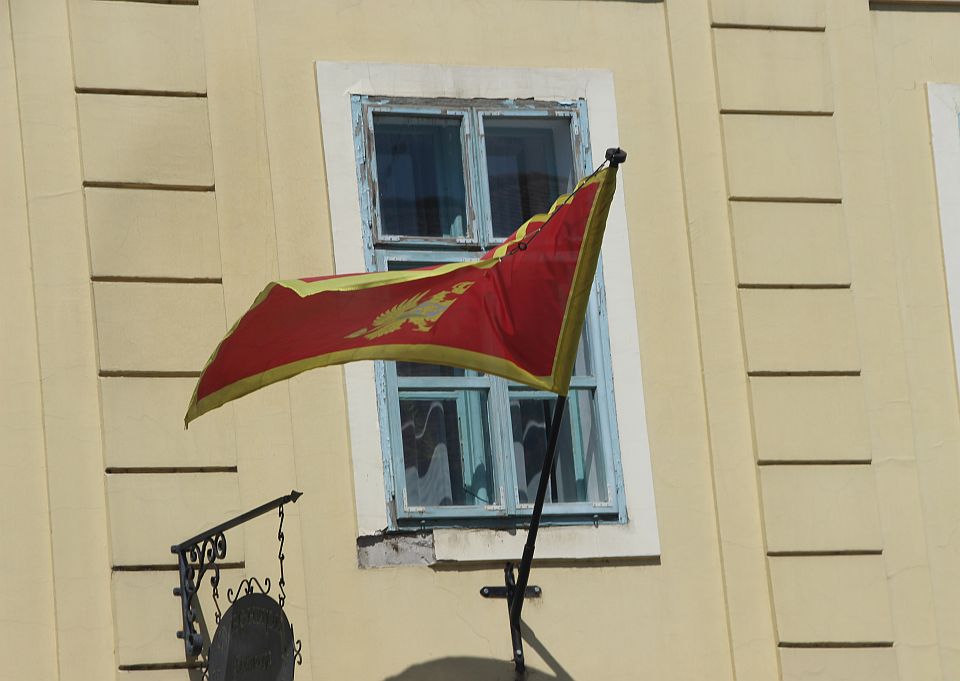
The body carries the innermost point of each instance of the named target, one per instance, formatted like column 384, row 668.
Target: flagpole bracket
column 508, row 591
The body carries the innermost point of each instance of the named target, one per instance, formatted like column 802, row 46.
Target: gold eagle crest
column 420, row 312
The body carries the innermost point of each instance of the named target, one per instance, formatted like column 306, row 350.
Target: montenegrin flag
column 516, row 312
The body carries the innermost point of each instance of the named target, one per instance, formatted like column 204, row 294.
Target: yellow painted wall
column 162, row 161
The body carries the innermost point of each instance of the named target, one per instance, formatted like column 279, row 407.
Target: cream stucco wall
column 162, row 161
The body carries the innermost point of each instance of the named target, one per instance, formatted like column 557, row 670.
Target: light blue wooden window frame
column 381, row 251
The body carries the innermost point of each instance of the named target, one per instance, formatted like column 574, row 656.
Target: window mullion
column 393, row 442
column 478, row 170
column 604, row 404
column 498, row 407
column 371, row 168
column 366, row 176
column 583, row 136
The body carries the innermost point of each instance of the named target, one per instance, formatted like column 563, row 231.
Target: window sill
column 572, row 542
column 463, row 546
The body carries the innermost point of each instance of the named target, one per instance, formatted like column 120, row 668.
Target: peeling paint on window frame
column 377, row 249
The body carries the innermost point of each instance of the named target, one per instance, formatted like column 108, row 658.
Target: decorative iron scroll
column 297, row 644
column 280, row 556
column 248, row 586
column 202, row 554
column 194, row 562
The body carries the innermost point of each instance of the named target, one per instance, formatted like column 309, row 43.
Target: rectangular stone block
column 839, row 664
column 137, row 46
column 820, row 508
column 781, row 156
column 773, row 70
column 805, row 13
column 150, row 512
column 800, row 330
column 147, row 615
column 153, row 140
column 810, row 418
column 152, row 233
column 157, row 327
column 790, row 243
column 143, row 425
column 831, row 599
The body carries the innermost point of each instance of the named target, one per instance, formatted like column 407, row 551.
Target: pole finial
column 616, row 156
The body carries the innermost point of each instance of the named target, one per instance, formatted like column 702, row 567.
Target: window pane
column 443, row 466
column 420, row 175
column 582, row 366
column 529, row 163
column 580, row 472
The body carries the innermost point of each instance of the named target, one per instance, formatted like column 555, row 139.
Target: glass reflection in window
column 420, row 185
column 529, row 163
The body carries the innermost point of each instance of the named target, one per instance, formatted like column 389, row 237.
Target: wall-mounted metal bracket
column 503, row 592
column 509, row 588
column 202, row 553
column 508, row 591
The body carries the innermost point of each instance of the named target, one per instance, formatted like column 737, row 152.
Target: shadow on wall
column 483, row 669
column 470, row 669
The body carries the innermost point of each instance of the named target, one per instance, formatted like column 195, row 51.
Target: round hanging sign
column 253, row 642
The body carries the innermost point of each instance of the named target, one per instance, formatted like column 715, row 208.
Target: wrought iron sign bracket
column 202, row 553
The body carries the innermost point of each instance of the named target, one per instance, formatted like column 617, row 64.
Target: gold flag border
column 559, row 379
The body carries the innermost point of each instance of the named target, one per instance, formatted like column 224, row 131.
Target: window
column 338, row 84
column 943, row 101
column 443, row 180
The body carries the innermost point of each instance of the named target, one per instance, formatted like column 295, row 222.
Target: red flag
column 517, row 312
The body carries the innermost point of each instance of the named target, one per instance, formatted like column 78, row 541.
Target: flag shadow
column 485, row 669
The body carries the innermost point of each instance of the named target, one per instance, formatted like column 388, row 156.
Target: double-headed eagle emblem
column 420, row 312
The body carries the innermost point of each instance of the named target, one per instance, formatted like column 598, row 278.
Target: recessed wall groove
column 784, row 199
column 814, row 462
column 155, row 666
column 772, row 112
column 916, row 6
column 157, row 2
column 148, row 185
column 138, row 93
column 121, row 373
column 139, row 470
column 768, row 27
column 802, row 374
column 825, row 553
column 835, row 644
column 155, row 280
column 774, row 287
column 173, row 567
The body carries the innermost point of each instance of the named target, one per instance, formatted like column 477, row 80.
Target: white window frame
column 337, row 82
column 944, row 105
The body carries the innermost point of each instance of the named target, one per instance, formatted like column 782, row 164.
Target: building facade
column 759, row 478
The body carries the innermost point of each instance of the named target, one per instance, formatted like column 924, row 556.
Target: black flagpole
column 515, row 591
column 523, row 574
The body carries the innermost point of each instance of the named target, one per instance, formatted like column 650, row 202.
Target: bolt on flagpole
column 517, row 592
